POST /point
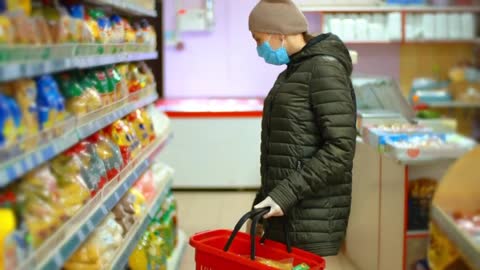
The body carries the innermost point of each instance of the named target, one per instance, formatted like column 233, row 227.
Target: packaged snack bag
column 59, row 22
column 104, row 25
column 136, row 80
column 85, row 33
column 147, row 34
column 25, row 94
column 8, row 129
column 123, row 135
column 98, row 251
column 130, row 33
column 24, row 5
column 100, row 80
column 142, row 126
column 108, row 152
column 38, row 195
column 7, row 216
column 7, row 31
column 81, row 98
column 146, row 186
column 147, row 72
column 73, row 191
column 51, row 104
column 118, row 29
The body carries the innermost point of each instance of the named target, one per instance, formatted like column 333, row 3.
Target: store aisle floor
column 200, row 211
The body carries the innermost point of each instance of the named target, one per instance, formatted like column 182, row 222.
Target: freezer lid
column 382, row 94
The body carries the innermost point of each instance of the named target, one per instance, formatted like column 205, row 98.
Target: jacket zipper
column 299, row 165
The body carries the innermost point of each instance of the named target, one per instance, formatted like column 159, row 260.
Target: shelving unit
column 404, row 11
column 387, row 8
column 136, row 232
column 82, row 128
column 126, row 6
column 61, row 245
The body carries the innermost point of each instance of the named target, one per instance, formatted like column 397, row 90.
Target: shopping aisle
column 200, row 211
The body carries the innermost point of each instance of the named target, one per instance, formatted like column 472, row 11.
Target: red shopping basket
column 225, row 249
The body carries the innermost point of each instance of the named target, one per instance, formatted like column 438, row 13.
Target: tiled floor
column 200, row 211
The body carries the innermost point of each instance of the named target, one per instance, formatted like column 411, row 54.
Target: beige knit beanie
column 277, row 17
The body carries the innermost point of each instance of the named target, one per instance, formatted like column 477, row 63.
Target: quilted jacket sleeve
column 334, row 109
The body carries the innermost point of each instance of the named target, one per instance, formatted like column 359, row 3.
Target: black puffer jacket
column 308, row 145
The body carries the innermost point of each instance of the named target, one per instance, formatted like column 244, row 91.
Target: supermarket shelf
column 137, row 231
column 126, row 6
column 175, row 260
column 18, row 166
column 418, row 234
column 388, row 8
column 25, row 69
column 454, row 104
column 60, row 246
column 464, row 244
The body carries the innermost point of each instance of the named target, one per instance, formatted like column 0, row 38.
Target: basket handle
column 242, row 221
column 256, row 215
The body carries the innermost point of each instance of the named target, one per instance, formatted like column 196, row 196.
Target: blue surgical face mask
column 275, row 57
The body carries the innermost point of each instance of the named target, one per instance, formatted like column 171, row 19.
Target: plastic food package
column 147, row 71
column 147, row 34
column 73, row 191
column 108, row 152
column 7, row 216
column 149, row 253
column 7, row 31
column 25, row 94
column 51, row 104
column 59, row 22
column 99, row 78
column 118, row 29
column 420, row 198
column 24, row 29
column 159, row 119
column 146, row 186
column 121, row 133
column 8, row 129
column 98, row 251
column 113, row 79
column 81, row 98
column 104, row 25
column 143, row 126
column 136, row 80
column 124, row 212
column 94, row 172
column 130, row 34
column 84, row 31
column 39, row 195
column 286, row 264
column 42, row 30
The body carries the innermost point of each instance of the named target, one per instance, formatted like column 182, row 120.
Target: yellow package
column 24, row 5
column 25, row 94
column 7, row 32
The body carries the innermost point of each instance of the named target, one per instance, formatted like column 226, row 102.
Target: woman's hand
column 275, row 209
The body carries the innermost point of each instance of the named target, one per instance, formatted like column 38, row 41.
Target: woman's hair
column 307, row 36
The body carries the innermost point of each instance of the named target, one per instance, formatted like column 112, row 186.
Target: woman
column 308, row 131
